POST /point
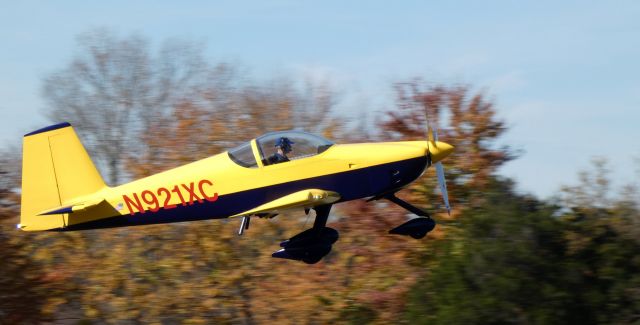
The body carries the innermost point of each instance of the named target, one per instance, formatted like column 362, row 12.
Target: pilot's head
column 284, row 144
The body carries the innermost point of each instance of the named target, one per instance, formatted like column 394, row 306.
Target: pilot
column 284, row 147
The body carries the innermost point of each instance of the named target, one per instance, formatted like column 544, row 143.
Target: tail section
column 56, row 170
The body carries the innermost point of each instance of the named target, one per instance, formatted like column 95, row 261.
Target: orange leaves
column 464, row 119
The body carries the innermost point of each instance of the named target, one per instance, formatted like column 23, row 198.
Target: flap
column 302, row 199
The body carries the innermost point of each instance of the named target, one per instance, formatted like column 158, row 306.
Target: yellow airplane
column 62, row 189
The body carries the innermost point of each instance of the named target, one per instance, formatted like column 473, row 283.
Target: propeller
column 437, row 151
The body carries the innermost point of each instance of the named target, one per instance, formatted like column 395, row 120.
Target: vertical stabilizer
column 56, row 169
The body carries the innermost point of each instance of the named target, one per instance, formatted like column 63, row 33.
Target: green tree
column 602, row 233
column 503, row 265
column 514, row 259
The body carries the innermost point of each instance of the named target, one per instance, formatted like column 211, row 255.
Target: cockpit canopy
column 303, row 145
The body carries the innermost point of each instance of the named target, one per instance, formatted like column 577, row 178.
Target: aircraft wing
column 301, row 199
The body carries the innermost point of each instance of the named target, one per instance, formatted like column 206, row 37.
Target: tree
column 9, row 183
column 515, row 259
column 24, row 288
column 230, row 112
column 167, row 110
column 215, row 270
column 500, row 267
column 114, row 85
column 462, row 118
column 593, row 190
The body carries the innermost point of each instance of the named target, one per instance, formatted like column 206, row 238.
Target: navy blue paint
column 351, row 185
column 49, row 128
column 61, row 210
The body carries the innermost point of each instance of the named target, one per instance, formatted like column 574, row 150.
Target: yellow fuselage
column 216, row 187
column 62, row 189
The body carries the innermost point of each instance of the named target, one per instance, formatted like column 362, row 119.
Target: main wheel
column 315, row 254
column 312, row 259
column 418, row 235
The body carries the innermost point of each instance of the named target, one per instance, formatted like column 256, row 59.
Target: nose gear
column 416, row 228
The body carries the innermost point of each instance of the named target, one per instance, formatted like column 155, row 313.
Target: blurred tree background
column 501, row 257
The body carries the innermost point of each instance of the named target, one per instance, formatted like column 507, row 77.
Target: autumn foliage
column 461, row 117
column 503, row 257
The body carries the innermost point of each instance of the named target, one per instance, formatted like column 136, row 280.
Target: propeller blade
column 429, row 133
column 430, row 142
column 443, row 186
column 432, row 136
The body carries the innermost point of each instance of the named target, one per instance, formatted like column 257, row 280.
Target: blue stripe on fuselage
column 351, row 185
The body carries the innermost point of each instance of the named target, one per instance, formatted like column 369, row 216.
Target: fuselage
column 219, row 187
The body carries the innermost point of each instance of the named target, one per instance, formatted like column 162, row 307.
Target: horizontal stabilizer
column 302, row 199
column 73, row 208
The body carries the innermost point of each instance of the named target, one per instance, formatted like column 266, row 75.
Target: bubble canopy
column 303, row 145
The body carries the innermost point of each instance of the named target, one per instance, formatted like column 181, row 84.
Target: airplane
column 288, row 170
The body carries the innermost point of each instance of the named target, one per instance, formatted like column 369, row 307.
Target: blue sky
column 564, row 75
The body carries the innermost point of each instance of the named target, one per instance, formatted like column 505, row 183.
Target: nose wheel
column 415, row 228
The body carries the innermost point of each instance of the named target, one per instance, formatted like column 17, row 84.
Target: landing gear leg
column 416, row 228
column 311, row 245
column 322, row 215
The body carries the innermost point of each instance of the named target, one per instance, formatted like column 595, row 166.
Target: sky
column 565, row 76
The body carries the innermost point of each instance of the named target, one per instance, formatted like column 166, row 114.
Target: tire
column 418, row 235
column 312, row 259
